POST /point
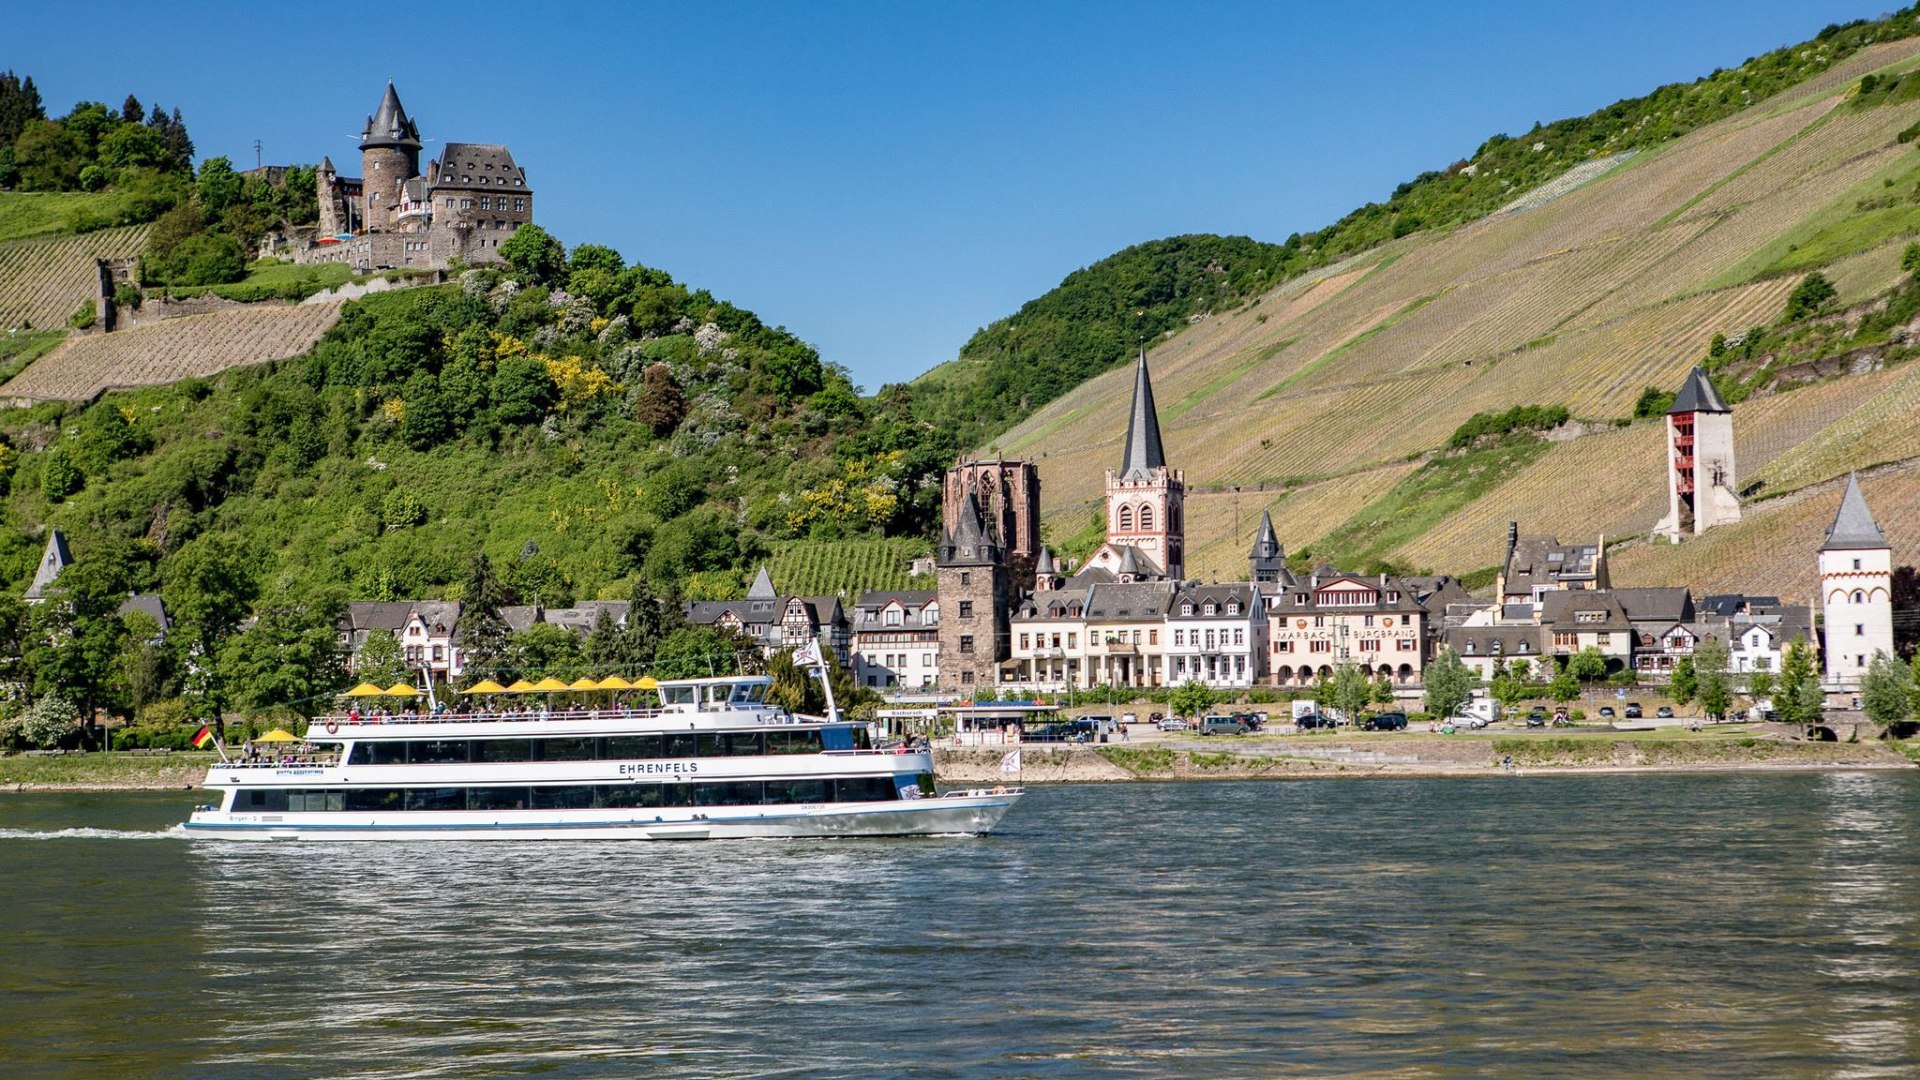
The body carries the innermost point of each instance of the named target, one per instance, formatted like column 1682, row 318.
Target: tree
column 1812, row 294
column 650, row 621
column 288, row 658
column 381, row 660
column 1564, row 687
column 209, row 587
column 1190, row 698
column 1589, row 665
column 1715, row 688
column 1449, row 684
column 1382, row 691
column 1798, row 699
column 1351, row 691
column 143, row 672
column 536, row 256
column 659, row 402
column 59, row 475
column 544, row 649
column 1759, row 686
column 606, row 646
column 41, row 725
column 695, row 651
column 1684, row 683
column 1885, row 688
column 483, row 632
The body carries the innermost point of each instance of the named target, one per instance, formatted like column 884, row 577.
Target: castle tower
column 1856, row 591
column 1008, row 494
column 1046, row 572
column 333, row 210
column 390, row 156
column 1701, row 487
column 1145, row 499
column 976, row 594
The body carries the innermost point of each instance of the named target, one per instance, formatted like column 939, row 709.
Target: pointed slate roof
column 1853, row 527
column 55, row 559
column 1044, row 564
column 1266, row 543
column 1143, row 428
column 1698, row 395
column 1129, row 561
column 762, row 587
column 326, row 164
column 389, row 125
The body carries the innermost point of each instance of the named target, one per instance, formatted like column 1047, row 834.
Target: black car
column 1633, row 710
column 1314, row 721
column 1606, row 712
column 1386, row 721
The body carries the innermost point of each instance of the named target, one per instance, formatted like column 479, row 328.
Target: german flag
column 202, row 737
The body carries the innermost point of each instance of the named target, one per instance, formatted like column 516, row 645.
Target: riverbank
column 1477, row 754
column 104, row 772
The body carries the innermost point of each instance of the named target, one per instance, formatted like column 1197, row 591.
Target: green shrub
column 127, row 295
column 59, row 475
column 1808, row 298
column 85, row 317
column 1520, row 418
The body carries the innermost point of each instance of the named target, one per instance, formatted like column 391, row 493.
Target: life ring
column 333, row 727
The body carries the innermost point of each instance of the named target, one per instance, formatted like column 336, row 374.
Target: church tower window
column 1126, row 519
column 1146, row 518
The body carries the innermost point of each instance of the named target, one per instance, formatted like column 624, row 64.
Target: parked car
column 1254, row 720
column 1173, row 723
column 1469, row 721
column 1537, row 718
column 1386, row 721
column 1154, row 717
column 1129, row 718
column 1606, row 712
column 1633, row 710
column 1314, row 721
column 1076, row 731
column 1223, row 725
column 1664, row 712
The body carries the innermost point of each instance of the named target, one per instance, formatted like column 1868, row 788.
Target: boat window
column 708, row 744
column 374, row 798
column 717, row 693
column 926, row 784
column 268, row 800
column 497, row 798
column 625, row 747
column 566, row 749
column 576, row 797
column 442, row 798
column 743, row 744
column 626, row 796
column 676, row 794
column 864, row 789
column 503, row 749
column 837, row 738
column 676, row 695
column 799, row 791
column 377, row 753
column 757, row 693
column 728, row 793
column 437, row 751
column 794, row 742
column 680, row 744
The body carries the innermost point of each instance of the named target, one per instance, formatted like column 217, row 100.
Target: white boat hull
column 962, row 814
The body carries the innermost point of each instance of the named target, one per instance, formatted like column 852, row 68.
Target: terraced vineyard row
column 1566, row 182
column 44, row 280
column 1772, row 551
column 1300, row 516
column 1581, row 487
column 842, row 568
column 196, row 345
column 1764, row 428
column 1886, row 427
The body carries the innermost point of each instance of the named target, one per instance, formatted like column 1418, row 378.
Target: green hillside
column 1551, row 270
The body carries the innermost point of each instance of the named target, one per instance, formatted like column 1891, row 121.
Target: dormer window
column 1233, row 607
column 1470, row 647
column 1186, row 608
column 891, row 617
column 1211, row 609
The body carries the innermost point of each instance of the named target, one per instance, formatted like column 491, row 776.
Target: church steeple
column 1143, row 453
column 1267, row 562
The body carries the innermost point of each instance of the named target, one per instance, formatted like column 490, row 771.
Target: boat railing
column 335, row 722
column 976, row 793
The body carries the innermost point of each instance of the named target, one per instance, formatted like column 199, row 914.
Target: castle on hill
column 396, row 214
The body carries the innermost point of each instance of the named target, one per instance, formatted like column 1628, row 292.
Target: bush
column 127, row 295
column 59, row 476
column 1517, row 419
column 1653, row 402
column 84, row 318
column 1813, row 293
column 42, row 725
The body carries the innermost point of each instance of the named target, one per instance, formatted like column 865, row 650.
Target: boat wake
column 174, row 833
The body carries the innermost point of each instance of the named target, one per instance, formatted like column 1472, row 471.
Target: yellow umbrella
column 520, row 686
column 647, row 682
column 584, row 683
column 401, row 689
column 615, row 682
column 549, row 684
column 365, row 689
column 485, row 686
column 278, row 735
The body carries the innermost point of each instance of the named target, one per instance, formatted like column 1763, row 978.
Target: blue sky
column 884, row 178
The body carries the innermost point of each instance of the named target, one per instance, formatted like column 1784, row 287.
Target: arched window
column 1126, row 519
column 1859, row 597
column 1146, row 518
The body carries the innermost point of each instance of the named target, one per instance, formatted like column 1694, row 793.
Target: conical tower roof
column 1698, row 395
column 1129, row 562
column 52, row 561
column 389, row 125
column 1044, row 564
column 326, row 164
column 1853, row 527
column 762, row 587
column 1143, row 428
column 1266, row 542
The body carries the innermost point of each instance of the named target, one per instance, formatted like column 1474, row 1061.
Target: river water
column 1682, row 926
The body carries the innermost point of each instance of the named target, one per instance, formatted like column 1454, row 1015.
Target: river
column 1607, row 925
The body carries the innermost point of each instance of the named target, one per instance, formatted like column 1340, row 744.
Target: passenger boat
column 714, row 760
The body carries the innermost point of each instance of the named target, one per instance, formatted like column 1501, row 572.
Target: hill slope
column 1313, row 397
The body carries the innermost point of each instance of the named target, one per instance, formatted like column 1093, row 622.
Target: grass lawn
column 280, row 273
column 1422, row 500
column 118, row 769
column 24, row 213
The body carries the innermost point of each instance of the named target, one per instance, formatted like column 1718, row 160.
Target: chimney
column 1513, row 540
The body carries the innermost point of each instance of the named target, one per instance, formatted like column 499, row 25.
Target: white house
column 1216, row 635
column 896, row 639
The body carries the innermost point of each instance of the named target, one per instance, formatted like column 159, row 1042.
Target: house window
column 1210, row 609
column 1023, row 641
column 1565, row 639
column 891, row 617
column 1239, row 637
column 1073, row 641
column 1369, row 644
column 966, row 609
column 1470, row 648
column 1179, row 637
column 966, row 577
column 1153, row 637
column 1300, row 600
column 966, row 644
column 1367, row 620
column 1320, row 646
column 1233, row 607
column 1283, row 646
column 1187, row 608
column 1406, row 645
column 1859, row 630
column 966, row 678
column 1856, row 564
column 1603, row 640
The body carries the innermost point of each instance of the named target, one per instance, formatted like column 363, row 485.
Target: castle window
column 486, row 203
column 966, row 609
column 1146, row 518
column 1859, row 597
column 1126, row 519
column 966, row 644
column 966, row 577
column 467, row 179
column 1856, row 564
column 449, row 204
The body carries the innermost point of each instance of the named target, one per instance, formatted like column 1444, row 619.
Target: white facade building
column 1856, row 591
column 1217, row 636
column 896, row 639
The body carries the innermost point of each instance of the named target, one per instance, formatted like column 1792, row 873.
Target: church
column 462, row 206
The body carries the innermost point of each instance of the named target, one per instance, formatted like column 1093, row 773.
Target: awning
column 485, row 686
column 365, row 689
column 278, row 735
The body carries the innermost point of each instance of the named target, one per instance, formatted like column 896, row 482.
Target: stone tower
column 1701, row 487
column 1145, row 499
column 1008, row 494
column 1267, row 562
column 389, row 156
column 1856, row 591
column 976, row 594
column 333, row 203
